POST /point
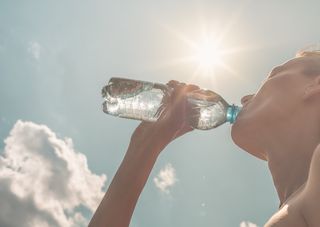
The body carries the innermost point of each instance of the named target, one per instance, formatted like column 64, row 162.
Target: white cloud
column 44, row 181
column 165, row 178
column 35, row 49
column 247, row 224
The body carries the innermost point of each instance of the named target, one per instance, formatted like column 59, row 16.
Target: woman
column 279, row 124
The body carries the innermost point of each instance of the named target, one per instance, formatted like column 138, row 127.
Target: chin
column 246, row 138
column 237, row 134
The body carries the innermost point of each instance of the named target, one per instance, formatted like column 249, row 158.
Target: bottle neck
column 232, row 113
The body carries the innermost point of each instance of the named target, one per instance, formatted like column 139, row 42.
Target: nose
column 246, row 98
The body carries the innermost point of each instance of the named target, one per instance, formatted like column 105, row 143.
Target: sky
column 59, row 151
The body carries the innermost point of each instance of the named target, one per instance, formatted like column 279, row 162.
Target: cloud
column 165, row 178
column 44, row 181
column 247, row 224
column 35, row 49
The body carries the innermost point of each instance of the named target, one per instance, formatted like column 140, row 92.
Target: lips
column 244, row 108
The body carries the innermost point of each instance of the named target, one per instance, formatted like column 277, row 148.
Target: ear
column 313, row 88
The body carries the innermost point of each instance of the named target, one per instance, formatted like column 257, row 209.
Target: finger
column 185, row 88
column 178, row 98
column 175, row 83
column 172, row 82
column 180, row 92
column 192, row 87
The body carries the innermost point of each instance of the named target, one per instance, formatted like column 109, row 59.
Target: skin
column 279, row 124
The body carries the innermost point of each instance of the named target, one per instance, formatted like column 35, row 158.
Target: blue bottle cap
column 232, row 113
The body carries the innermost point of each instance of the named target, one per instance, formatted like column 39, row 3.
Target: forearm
column 147, row 141
column 119, row 202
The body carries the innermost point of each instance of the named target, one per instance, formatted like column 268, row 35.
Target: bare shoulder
column 303, row 208
column 310, row 197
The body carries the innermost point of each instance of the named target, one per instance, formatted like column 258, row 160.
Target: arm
column 147, row 142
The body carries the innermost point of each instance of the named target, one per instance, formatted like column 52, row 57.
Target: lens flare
column 206, row 52
column 207, row 56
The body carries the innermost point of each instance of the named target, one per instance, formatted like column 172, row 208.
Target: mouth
column 243, row 108
column 246, row 104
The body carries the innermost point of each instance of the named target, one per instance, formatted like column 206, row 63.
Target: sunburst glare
column 207, row 52
column 207, row 55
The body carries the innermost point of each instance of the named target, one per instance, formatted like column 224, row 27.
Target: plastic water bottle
column 207, row 110
column 142, row 100
column 135, row 99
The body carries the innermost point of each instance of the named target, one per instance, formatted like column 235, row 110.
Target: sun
column 207, row 55
column 206, row 52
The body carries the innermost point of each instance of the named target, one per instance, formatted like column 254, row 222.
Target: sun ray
column 234, row 18
column 207, row 52
column 179, row 35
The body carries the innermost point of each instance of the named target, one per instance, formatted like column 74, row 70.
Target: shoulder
column 311, row 193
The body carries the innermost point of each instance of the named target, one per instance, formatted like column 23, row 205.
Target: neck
column 288, row 176
column 289, row 153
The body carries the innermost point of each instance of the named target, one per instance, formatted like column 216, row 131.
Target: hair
column 311, row 50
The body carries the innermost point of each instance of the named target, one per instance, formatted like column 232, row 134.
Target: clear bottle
column 135, row 99
column 145, row 101
column 207, row 110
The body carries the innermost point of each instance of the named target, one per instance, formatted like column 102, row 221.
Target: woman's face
column 276, row 101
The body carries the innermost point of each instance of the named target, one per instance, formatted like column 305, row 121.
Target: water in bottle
column 134, row 99
column 207, row 110
column 145, row 101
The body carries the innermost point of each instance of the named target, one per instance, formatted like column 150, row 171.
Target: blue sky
column 56, row 56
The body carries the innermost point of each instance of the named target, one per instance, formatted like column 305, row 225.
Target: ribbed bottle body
column 142, row 100
column 134, row 99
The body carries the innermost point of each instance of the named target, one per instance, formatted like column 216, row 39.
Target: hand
column 172, row 122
